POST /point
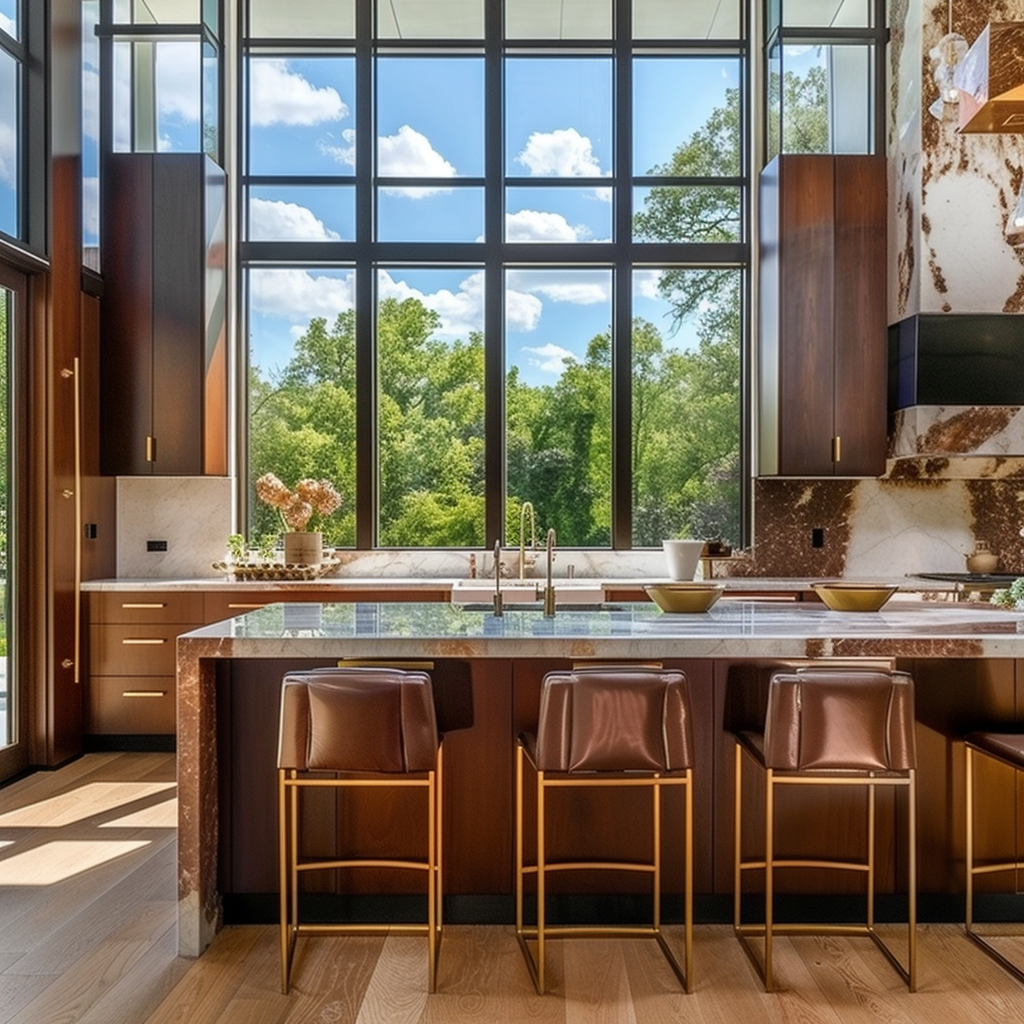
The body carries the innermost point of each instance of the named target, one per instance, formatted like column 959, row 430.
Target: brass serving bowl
column 684, row 597
column 854, row 597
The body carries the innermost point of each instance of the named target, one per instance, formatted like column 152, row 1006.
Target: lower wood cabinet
column 130, row 685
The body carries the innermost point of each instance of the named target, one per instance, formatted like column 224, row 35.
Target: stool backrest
column 849, row 719
column 357, row 719
column 614, row 718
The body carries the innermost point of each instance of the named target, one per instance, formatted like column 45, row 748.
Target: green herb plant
column 1010, row 596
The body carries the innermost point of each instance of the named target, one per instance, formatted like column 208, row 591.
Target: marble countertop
column 732, row 628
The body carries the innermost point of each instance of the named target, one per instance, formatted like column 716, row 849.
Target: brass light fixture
column 948, row 53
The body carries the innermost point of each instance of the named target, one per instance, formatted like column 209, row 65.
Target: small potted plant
column 302, row 512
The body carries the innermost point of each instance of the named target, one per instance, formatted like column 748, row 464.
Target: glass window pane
column 686, row 116
column 696, row 19
column 417, row 134
column 211, row 17
column 430, row 407
column 10, row 158
column 311, row 19
column 687, row 213
column 569, row 19
column 302, row 115
column 302, row 389
column 157, row 103
column 558, row 215
column 211, row 102
column 291, row 213
column 430, row 215
column 558, row 397
column 827, row 13
column 9, row 18
column 558, row 117
column 157, row 12
column 90, row 135
column 436, row 19
column 826, row 99
column 686, row 404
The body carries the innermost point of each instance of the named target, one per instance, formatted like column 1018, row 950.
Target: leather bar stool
column 612, row 726
column 1006, row 749
column 846, row 726
column 348, row 728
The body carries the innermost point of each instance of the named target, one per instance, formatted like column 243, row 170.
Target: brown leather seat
column 380, row 723
column 613, row 725
column 1006, row 749
column 843, row 726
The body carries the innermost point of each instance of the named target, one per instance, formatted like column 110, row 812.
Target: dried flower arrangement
column 303, row 508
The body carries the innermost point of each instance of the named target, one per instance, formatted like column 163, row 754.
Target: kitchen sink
column 527, row 591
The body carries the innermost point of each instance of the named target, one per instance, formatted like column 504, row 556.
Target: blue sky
column 559, row 126
column 8, row 129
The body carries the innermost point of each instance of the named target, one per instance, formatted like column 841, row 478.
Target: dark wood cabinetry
column 164, row 347
column 822, row 341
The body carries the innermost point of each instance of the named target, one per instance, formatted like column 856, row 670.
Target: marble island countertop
column 732, row 628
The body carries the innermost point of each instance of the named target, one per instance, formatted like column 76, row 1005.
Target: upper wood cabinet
column 163, row 358
column 822, row 348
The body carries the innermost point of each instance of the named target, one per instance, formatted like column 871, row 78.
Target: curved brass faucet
column 527, row 507
column 549, row 589
column 499, row 608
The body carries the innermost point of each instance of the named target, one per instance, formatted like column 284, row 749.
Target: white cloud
column 550, row 358
column 538, row 226
column 581, row 288
column 271, row 220
column 8, row 162
column 563, row 153
column 7, row 24
column 278, row 95
column 344, row 153
column 409, row 154
column 646, row 282
column 90, row 101
column 177, row 79
column 298, row 295
column 91, row 207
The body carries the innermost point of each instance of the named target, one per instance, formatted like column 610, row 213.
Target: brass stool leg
column 737, row 832
column 283, row 875
column 969, row 850
column 540, row 883
column 912, row 881
column 769, row 876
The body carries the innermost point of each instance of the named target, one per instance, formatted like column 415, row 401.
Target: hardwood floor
column 87, row 934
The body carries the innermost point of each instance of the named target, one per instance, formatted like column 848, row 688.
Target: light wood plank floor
column 87, row 934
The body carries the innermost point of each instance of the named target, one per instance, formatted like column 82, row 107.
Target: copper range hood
column 990, row 80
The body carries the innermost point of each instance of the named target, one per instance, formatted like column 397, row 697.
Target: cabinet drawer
column 146, row 606
column 126, row 705
column 134, row 650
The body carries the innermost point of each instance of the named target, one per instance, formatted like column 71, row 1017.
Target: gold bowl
column 854, row 597
column 684, row 597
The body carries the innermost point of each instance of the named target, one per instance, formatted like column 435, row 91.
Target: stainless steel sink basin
column 527, row 591
column 538, row 606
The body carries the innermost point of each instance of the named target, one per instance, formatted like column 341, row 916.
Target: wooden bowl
column 854, row 597
column 684, row 597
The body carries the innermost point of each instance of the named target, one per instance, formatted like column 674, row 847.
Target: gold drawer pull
column 143, row 693
column 232, row 605
column 144, row 640
column 144, row 604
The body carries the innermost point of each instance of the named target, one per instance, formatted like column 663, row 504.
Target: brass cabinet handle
column 144, row 640
column 67, row 493
column 143, row 693
column 232, row 605
column 67, row 663
column 837, row 448
column 144, row 604
column 150, row 448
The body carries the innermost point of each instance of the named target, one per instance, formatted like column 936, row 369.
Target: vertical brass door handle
column 837, row 448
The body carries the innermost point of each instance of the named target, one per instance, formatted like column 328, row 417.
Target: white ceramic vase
column 303, row 548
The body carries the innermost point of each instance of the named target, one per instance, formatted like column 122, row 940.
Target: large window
column 495, row 253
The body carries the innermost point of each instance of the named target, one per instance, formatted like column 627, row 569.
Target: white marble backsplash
column 192, row 514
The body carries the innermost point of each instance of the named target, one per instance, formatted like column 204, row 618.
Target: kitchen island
column 488, row 672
